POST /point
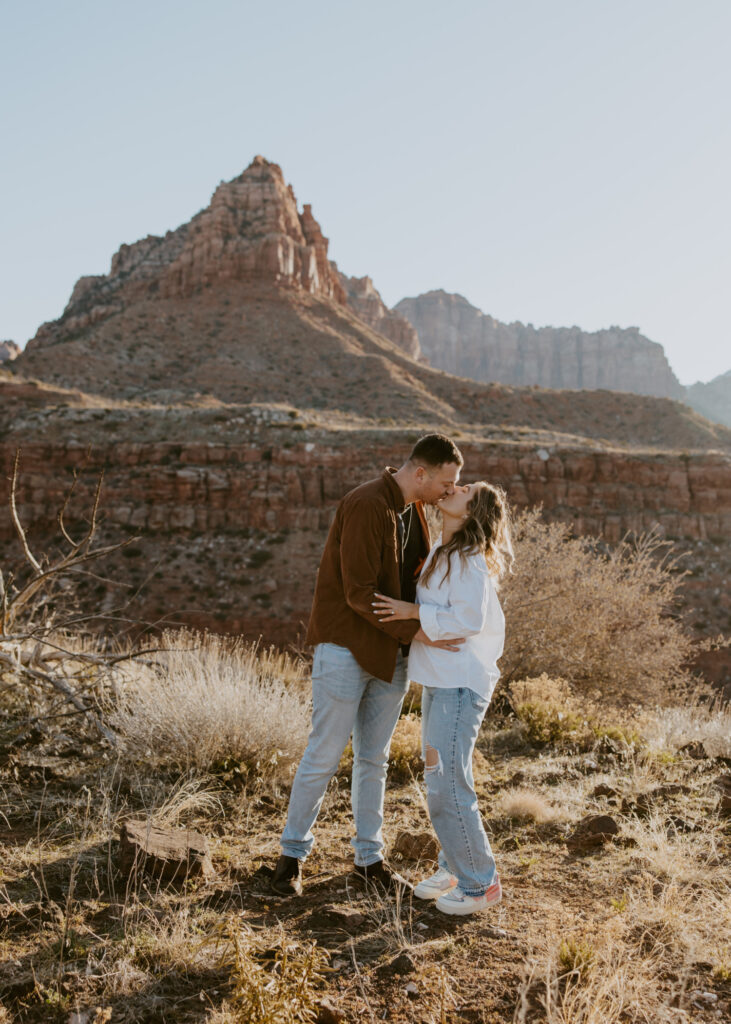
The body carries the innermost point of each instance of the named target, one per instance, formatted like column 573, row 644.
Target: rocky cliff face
column 713, row 399
column 8, row 350
column 459, row 338
column 363, row 298
column 229, row 535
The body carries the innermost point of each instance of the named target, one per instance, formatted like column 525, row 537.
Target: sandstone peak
column 364, row 298
column 251, row 231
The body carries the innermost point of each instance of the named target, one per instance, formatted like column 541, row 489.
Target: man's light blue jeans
column 450, row 722
column 346, row 700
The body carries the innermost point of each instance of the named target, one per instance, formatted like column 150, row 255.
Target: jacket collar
column 395, row 492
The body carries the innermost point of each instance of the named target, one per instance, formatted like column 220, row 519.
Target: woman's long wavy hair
column 486, row 529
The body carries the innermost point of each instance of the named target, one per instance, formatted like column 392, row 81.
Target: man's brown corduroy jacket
column 362, row 555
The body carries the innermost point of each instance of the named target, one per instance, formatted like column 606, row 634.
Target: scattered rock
column 490, row 932
column 419, row 846
column 592, row 831
column 695, row 750
column 331, row 916
column 700, row 998
column 401, row 964
column 607, row 747
column 170, row 855
column 329, row 1013
column 604, row 790
column 412, row 990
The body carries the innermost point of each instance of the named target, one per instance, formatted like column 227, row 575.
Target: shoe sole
column 432, row 894
column 289, row 892
column 463, row 909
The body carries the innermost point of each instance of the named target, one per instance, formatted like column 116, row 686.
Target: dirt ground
column 637, row 930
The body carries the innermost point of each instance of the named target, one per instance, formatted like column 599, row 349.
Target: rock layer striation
column 457, row 337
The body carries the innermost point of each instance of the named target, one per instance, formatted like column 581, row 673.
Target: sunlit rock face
column 457, row 337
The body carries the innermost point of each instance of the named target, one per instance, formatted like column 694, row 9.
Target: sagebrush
column 603, row 621
column 213, row 703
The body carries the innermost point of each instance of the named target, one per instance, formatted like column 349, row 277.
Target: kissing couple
column 390, row 607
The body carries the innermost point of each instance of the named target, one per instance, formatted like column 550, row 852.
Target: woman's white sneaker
column 457, row 902
column 437, row 885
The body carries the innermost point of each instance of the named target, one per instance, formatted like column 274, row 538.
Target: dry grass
column 669, row 729
column 526, row 805
column 599, row 621
column 214, row 704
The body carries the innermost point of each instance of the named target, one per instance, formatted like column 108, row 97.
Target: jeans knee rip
column 433, row 769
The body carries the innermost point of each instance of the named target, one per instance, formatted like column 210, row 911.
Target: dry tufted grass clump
column 212, row 703
column 597, row 620
column 671, row 729
column 526, row 805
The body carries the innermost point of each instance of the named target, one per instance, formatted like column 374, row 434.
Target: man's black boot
column 381, row 874
column 287, row 877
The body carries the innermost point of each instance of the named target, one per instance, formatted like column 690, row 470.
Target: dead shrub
column 597, row 620
column 208, row 701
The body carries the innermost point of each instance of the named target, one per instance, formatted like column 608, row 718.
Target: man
column 378, row 542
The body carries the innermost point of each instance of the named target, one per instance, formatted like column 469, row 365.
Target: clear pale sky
column 555, row 161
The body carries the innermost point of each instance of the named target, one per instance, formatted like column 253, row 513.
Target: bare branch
column 62, row 687
column 62, row 511
column 16, row 520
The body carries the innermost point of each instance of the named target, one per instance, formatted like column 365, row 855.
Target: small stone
column 329, row 1013
column 604, row 790
column 696, row 751
column 412, row 990
column 703, row 998
column 402, row 964
column 592, row 831
column 337, row 917
column 421, row 846
column 490, row 932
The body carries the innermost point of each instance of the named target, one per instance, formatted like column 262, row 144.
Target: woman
column 457, row 597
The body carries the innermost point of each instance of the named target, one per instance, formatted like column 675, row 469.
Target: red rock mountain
column 372, row 310
column 242, row 305
column 459, row 338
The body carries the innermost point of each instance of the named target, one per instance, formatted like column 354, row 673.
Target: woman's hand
column 388, row 609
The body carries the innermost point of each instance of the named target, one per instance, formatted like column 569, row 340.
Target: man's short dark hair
column 434, row 450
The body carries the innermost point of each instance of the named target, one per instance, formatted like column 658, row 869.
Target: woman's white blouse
column 466, row 605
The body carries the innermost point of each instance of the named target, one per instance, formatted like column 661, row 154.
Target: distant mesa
column 8, row 350
column 459, row 338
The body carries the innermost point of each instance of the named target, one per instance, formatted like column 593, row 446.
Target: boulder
column 170, row 855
